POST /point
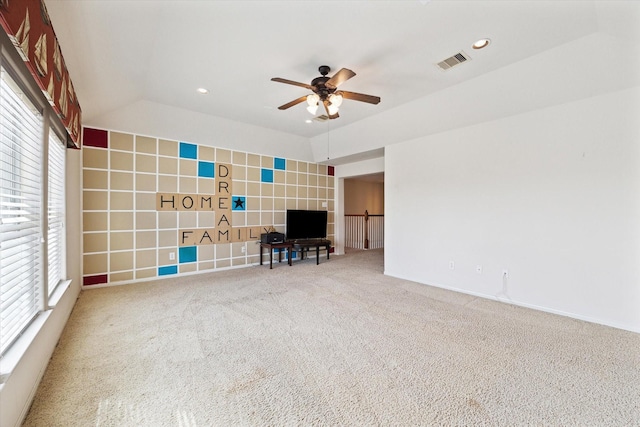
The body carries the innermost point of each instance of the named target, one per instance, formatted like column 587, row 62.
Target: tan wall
column 126, row 237
column 363, row 195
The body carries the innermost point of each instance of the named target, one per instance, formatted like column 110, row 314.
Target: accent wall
column 154, row 207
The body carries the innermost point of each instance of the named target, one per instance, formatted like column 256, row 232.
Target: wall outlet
column 452, row 265
column 243, row 249
column 324, row 204
column 172, row 256
column 479, row 269
column 505, row 274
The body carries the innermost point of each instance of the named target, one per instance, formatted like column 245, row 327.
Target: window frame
column 50, row 123
column 58, row 216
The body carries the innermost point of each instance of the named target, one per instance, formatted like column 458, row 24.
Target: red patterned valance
column 28, row 25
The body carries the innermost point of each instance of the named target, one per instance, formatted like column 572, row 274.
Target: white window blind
column 56, row 212
column 20, row 206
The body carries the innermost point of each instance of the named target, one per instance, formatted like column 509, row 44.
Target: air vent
column 322, row 118
column 456, row 59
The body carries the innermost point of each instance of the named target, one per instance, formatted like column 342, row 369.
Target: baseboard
column 525, row 305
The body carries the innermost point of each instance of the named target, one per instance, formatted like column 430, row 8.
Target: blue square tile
column 167, row 269
column 267, row 175
column 206, row 169
column 188, row 151
column 279, row 163
column 238, row 203
column 188, row 254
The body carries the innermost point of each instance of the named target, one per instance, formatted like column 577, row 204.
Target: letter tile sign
column 27, row 24
column 154, row 207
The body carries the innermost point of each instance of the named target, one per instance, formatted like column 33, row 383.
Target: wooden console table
column 304, row 245
column 271, row 247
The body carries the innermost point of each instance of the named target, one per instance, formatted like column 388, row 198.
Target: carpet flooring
column 335, row 344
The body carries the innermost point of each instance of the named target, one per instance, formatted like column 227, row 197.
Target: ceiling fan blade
column 360, row 97
column 340, row 77
column 291, row 82
column 292, row 103
column 326, row 108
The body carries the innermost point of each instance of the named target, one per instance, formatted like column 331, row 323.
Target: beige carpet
column 329, row 345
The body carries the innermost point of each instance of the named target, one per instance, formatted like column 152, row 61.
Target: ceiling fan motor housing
column 318, row 85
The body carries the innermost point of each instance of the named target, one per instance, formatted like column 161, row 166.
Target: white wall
column 551, row 195
column 150, row 118
column 364, row 167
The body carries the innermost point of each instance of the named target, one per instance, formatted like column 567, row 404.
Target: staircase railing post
column 366, row 229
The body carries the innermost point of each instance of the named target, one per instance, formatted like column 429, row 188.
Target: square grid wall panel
column 127, row 237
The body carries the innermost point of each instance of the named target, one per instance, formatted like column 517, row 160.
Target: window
column 32, row 207
column 20, row 222
column 56, row 213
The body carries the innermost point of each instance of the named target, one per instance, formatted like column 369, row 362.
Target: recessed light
column 202, row 90
column 308, row 121
column 482, row 43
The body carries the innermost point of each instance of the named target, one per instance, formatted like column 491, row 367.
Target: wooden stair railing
column 364, row 231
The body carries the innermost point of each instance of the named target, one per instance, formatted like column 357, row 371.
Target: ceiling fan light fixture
column 313, row 100
column 312, row 108
column 335, row 99
column 332, row 109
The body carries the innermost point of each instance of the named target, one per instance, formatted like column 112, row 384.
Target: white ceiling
column 122, row 52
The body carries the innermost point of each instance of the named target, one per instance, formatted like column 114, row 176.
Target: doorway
column 364, row 211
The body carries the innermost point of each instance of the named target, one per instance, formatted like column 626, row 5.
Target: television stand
column 271, row 247
column 303, row 246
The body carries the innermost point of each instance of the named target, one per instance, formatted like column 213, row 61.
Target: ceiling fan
column 325, row 90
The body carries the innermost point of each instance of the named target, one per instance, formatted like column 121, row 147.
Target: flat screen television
column 302, row 224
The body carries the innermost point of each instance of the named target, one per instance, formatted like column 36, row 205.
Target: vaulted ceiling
column 123, row 52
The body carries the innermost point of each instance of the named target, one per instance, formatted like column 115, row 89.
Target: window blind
column 56, row 212
column 20, row 205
